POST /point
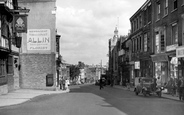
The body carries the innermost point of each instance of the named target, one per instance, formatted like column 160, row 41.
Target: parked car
column 147, row 85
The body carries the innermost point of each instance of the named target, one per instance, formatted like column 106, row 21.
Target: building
column 9, row 47
column 113, row 58
column 168, row 45
column 142, row 41
column 38, row 52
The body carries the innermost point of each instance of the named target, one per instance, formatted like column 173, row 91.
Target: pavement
column 23, row 95
column 164, row 94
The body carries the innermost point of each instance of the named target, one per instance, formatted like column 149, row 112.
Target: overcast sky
column 86, row 26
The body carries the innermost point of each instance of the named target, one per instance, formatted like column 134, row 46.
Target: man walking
column 101, row 83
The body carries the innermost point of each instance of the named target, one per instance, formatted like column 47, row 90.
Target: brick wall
column 34, row 68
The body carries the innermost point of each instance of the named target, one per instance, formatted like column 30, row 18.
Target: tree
column 74, row 71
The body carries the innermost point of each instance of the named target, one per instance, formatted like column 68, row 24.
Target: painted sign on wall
column 38, row 39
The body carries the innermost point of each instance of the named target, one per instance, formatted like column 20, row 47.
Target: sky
column 86, row 26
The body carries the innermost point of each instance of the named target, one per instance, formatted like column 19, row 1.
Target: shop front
column 160, row 65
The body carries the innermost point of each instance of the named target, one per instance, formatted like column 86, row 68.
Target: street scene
column 91, row 57
column 88, row 99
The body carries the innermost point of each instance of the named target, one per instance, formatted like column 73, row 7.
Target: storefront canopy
column 160, row 57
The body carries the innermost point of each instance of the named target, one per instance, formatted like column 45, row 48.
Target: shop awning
column 160, row 57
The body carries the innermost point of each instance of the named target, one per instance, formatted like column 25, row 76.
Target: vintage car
column 147, row 85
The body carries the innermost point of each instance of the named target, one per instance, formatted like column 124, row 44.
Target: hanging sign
column 20, row 23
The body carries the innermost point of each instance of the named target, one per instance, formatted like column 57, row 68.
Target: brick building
column 38, row 53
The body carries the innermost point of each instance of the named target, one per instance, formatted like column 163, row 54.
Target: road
column 89, row 100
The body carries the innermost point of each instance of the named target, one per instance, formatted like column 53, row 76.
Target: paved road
column 89, row 100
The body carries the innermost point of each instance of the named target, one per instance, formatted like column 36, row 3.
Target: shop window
column 10, row 65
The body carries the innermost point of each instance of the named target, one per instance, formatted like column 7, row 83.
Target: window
column 10, row 65
column 158, row 11
column 166, row 7
column 2, row 67
column 182, row 2
column 157, row 43
column 133, row 45
column 149, row 13
column 140, row 21
column 162, row 40
column 174, row 33
column 140, row 43
column 145, row 43
column 145, row 17
column 175, row 4
column 135, row 42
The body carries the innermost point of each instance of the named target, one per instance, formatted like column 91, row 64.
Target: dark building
column 142, row 41
column 9, row 53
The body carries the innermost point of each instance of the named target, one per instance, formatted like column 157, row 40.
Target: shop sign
column 121, row 52
column 171, row 47
column 38, row 39
column 137, row 65
column 20, row 23
column 180, row 52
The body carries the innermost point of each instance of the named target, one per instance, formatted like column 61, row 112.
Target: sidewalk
column 22, row 95
column 164, row 95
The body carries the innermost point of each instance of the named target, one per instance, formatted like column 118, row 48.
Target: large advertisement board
column 38, row 39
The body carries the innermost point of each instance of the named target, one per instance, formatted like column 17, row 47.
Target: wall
column 36, row 64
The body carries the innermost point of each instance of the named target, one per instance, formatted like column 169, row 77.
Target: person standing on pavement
column 181, row 88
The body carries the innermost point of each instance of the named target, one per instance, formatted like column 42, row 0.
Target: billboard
column 38, row 39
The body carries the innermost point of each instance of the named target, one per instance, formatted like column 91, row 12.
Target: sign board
column 137, row 65
column 180, row 51
column 20, row 23
column 171, row 47
column 38, row 39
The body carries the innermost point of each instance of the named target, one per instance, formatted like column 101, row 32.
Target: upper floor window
column 149, row 13
column 157, row 42
column 158, row 11
column 174, row 33
column 145, row 17
column 140, row 43
column 166, row 7
column 145, row 43
column 133, row 45
column 140, row 21
column 162, row 40
column 175, row 4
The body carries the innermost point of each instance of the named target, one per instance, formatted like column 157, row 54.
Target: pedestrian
column 63, row 82
column 101, row 83
column 60, row 83
column 181, row 88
